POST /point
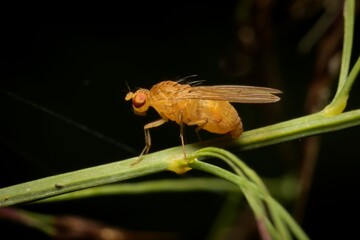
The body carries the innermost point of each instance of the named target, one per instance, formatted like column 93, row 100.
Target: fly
column 207, row 107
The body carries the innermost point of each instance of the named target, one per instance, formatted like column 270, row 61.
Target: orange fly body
column 207, row 107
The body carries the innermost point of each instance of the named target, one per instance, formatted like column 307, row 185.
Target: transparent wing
column 234, row 93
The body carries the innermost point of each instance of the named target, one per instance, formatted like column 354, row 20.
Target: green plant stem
column 339, row 102
column 165, row 185
column 251, row 178
column 289, row 130
column 349, row 16
column 89, row 177
column 252, row 193
column 281, row 188
column 160, row 161
column 354, row 73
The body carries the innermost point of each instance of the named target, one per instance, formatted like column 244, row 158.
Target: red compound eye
column 139, row 100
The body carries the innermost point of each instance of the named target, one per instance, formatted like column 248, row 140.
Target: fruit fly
column 207, row 107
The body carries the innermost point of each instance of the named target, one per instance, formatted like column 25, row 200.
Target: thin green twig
column 161, row 161
column 339, row 102
column 349, row 16
column 255, row 192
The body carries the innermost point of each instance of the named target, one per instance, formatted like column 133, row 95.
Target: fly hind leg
column 200, row 123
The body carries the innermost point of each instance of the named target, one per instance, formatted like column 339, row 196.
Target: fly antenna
column 127, row 85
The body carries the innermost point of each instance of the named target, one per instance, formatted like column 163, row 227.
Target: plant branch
column 164, row 160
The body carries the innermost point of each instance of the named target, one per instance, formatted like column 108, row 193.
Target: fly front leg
column 147, row 127
column 154, row 124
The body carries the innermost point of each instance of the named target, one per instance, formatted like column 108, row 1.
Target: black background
column 78, row 67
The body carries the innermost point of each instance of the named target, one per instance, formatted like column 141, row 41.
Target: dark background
column 76, row 69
